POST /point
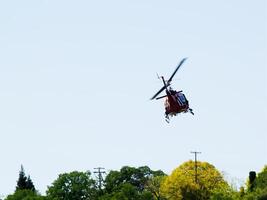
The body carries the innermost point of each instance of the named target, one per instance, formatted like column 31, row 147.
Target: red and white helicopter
column 175, row 101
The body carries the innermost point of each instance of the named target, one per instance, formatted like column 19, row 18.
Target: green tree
column 153, row 185
column 129, row 183
column 257, row 189
column 25, row 195
column 261, row 180
column 261, row 184
column 225, row 194
column 181, row 183
column 73, row 185
column 125, row 192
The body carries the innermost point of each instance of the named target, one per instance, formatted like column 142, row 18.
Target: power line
column 99, row 172
column 195, row 152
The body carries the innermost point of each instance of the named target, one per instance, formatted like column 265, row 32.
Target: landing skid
column 167, row 116
column 191, row 111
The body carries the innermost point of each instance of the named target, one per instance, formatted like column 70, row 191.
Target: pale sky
column 76, row 78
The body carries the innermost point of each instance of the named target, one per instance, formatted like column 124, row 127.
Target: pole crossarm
column 99, row 172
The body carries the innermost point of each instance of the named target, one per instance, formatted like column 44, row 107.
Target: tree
column 29, row 184
column 257, row 186
column 181, row 184
column 251, row 182
column 129, row 183
column 73, row 185
column 256, row 189
column 261, row 183
column 261, row 180
column 25, row 195
column 24, row 183
column 125, row 192
column 225, row 194
column 153, row 185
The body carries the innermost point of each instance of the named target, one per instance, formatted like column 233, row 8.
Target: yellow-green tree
column 183, row 183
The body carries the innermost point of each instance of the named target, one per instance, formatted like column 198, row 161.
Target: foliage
column 261, row 181
column 142, row 183
column 25, row 195
column 127, row 192
column 256, row 189
column 153, row 186
column 23, row 182
column 29, row 184
column 257, row 194
column 259, row 189
column 251, row 181
column 130, row 183
column 73, row 185
column 181, row 183
column 225, row 194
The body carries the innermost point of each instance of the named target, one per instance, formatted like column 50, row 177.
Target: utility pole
column 99, row 172
column 195, row 152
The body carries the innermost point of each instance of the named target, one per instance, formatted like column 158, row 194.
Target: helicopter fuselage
column 175, row 103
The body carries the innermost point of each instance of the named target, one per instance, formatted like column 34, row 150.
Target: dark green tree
column 251, row 181
column 29, row 184
column 22, row 181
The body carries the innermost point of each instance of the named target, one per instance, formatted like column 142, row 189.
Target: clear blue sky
column 76, row 78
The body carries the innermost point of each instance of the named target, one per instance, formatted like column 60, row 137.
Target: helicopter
column 175, row 101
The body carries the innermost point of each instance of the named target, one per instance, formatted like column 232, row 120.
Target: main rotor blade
column 161, row 97
column 180, row 64
column 164, row 87
column 158, row 93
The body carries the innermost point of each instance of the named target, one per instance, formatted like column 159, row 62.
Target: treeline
column 189, row 181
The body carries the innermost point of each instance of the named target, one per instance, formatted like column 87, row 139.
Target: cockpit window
column 181, row 98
